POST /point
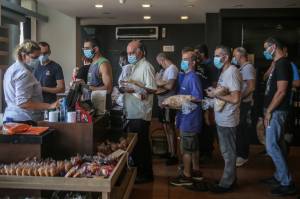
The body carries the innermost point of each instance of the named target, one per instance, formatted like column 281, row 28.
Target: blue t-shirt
column 47, row 76
column 192, row 122
column 295, row 72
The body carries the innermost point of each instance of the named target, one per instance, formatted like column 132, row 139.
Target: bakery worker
column 49, row 74
column 23, row 93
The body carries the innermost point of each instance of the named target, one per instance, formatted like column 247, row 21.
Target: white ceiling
column 162, row 11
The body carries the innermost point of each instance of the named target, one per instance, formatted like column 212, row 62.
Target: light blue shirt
column 20, row 86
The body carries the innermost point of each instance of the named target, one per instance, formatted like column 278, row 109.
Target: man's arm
column 60, row 87
column 250, row 88
column 106, row 72
column 233, row 98
column 168, row 85
column 282, row 87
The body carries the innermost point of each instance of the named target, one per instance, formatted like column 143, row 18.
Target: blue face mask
column 268, row 55
column 33, row 64
column 234, row 61
column 43, row 58
column 218, row 63
column 184, row 65
column 89, row 53
column 132, row 59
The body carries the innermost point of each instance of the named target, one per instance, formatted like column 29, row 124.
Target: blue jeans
column 274, row 137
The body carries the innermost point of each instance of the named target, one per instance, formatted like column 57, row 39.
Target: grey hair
column 243, row 52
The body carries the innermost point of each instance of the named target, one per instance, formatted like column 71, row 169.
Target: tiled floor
column 258, row 167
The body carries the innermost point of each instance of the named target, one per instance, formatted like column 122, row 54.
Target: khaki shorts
column 189, row 142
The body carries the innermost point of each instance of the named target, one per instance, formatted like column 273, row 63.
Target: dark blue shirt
column 192, row 122
column 47, row 76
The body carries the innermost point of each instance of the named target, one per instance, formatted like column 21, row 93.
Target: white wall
column 60, row 33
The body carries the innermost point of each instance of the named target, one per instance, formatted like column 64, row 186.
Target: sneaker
column 215, row 188
column 284, row 190
column 171, row 161
column 240, row 161
column 181, row 180
column 198, row 187
column 271, row 181
column 197, row 175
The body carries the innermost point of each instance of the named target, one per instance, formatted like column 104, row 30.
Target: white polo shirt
column 135, row 108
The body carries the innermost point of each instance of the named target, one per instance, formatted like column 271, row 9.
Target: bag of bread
column 176, row 101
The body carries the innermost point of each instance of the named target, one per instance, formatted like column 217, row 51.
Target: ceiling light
column 147, row 17
column 99, row 6
column 189, row 6
column 184, row 17
column 146, row 5
column 122, row 1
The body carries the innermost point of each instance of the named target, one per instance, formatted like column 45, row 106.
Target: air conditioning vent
column 144, row 32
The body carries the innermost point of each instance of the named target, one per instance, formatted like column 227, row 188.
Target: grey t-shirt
column 232, row 80
column 169, row 73
column 248, row 73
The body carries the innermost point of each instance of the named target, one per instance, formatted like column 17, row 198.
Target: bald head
column 134, row 49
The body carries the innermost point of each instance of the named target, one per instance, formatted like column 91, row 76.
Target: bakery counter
column 14, row 148
column 77, row 138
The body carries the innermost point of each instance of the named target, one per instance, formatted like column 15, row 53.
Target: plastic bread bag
column 207, row 103
column 188, row 107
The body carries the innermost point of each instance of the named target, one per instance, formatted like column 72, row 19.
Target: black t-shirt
column 47, row 76
column 83, row 73
column 282, row 72
column 207, row 73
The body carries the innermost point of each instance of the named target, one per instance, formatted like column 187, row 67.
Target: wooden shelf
column 106, row 186
column 4, row 39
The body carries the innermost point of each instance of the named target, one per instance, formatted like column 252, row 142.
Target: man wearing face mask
column 227, row 119
column 23, row 93
column 209, row 76
column 100, row 71
column 276, row 105
column 189, row 124
column 49, row 74
column 139, row 109
column 248, row 74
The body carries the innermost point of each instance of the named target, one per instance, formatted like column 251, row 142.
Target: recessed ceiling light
column 184, row 17
column 147, row 17
column 99, row 6
column 189, row 6
column 146, row 5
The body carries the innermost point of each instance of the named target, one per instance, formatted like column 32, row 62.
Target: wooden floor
column 258, row 167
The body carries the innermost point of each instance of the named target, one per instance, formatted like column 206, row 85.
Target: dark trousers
column 243, row 137
column 206, row 139
column 141, row 155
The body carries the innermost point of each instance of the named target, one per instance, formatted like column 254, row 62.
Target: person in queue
column 139, row 108
column 277, row 105
column 83, row 70
column 166, row 82
column 23, row 93
column 227, row 119
column 49, row 74
column 247, row 70
column 208, row 75
column 189, row 123
column 100, row 71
